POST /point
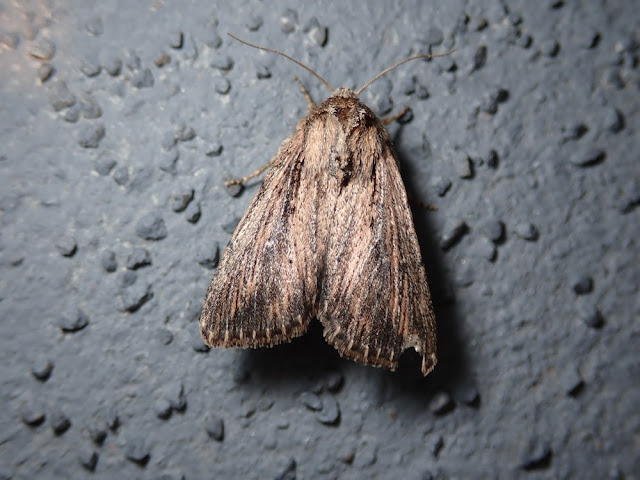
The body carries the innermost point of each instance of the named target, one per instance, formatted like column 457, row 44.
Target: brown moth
column 329, row 235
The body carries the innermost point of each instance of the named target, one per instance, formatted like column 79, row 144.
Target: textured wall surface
column 119, row 123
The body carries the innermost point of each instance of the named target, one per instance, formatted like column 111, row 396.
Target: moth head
column 344, row 92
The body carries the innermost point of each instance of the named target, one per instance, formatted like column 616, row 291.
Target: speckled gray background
column 120, row 121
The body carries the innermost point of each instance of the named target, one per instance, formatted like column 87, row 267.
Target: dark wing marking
column 265, row 287
column 375, row 301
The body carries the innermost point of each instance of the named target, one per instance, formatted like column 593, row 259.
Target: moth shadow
column 311, row 358
column 306, row 356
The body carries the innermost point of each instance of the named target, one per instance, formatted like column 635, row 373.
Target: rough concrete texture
column 120, row 121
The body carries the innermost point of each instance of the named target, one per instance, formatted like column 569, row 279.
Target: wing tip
column 428, row 363
column 377, row 356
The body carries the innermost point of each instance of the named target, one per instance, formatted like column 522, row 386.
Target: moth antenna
column 322, row 80
column 387, row 70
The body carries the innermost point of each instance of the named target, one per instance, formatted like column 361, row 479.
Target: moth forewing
column 329, row 235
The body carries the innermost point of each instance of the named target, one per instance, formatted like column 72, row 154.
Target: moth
column 328, row 236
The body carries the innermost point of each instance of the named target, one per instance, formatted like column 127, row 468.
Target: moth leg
column 393, row 118
column 240, row 181
column 306, row 93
